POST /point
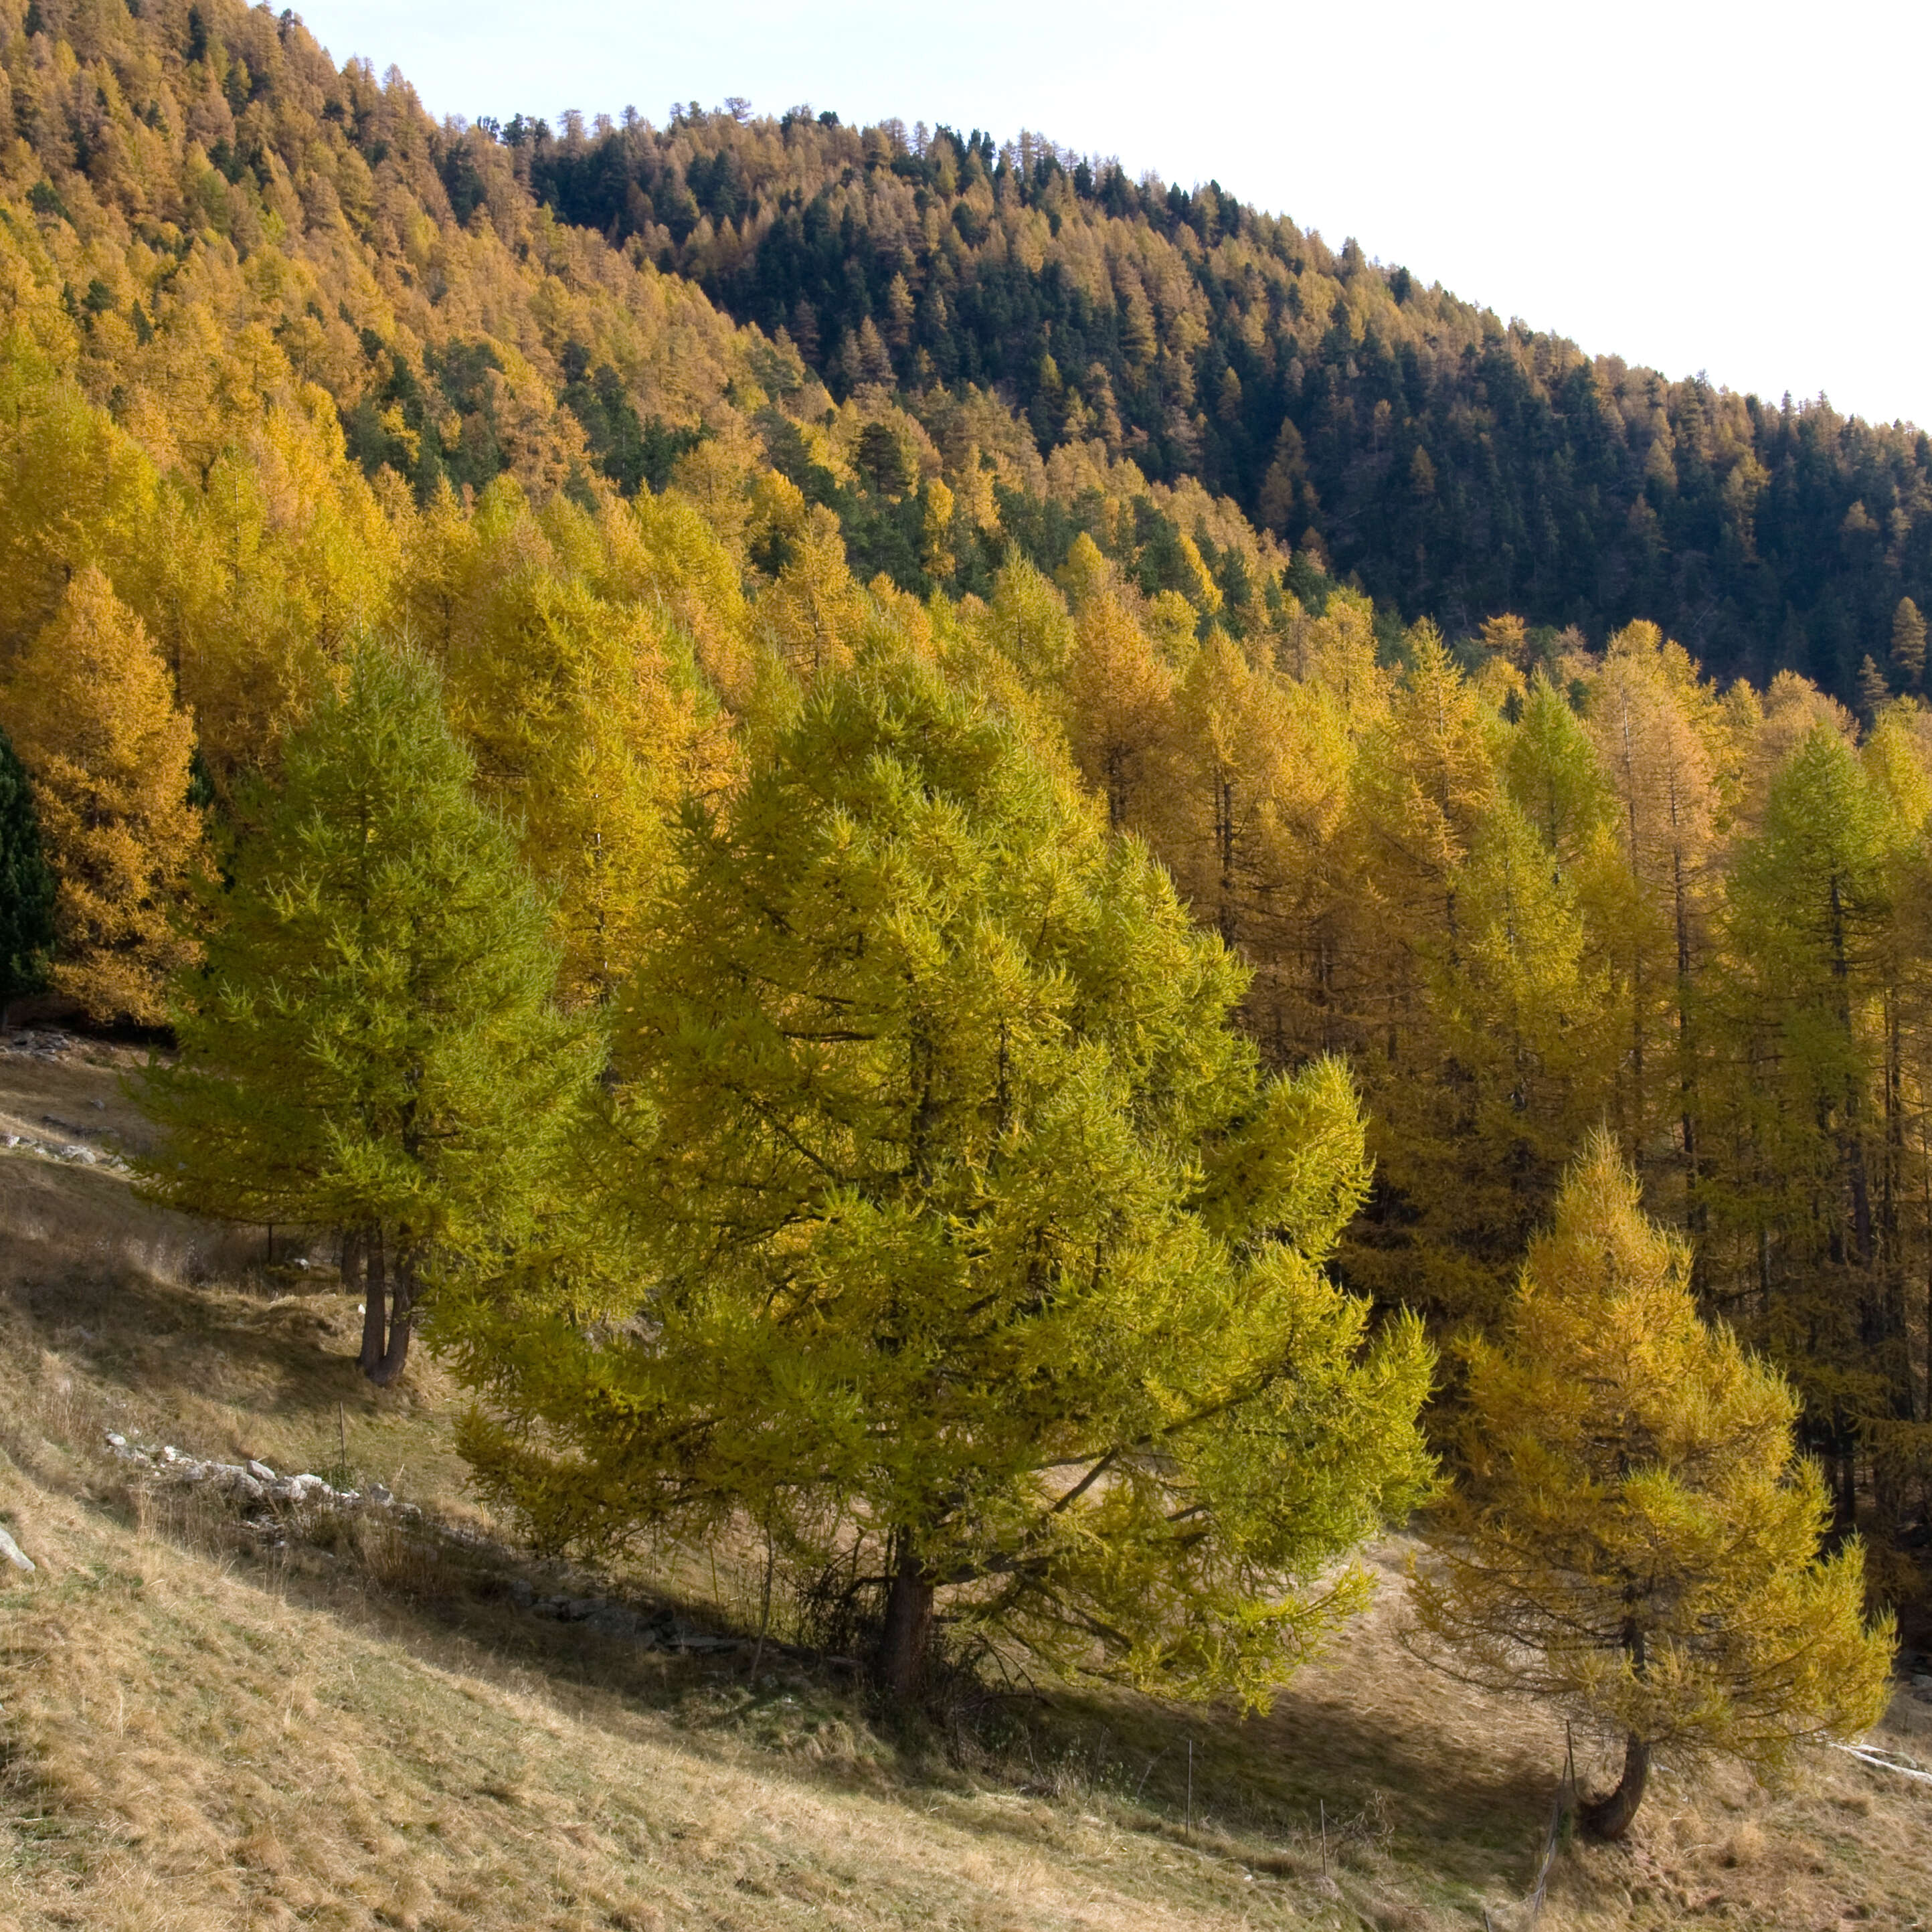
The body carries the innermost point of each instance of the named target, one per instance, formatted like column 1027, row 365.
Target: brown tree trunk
column 375, row 1301
column 1610, row 1817
column 908, row 1635
column 402, row 1306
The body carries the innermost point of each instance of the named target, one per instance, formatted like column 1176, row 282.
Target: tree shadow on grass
column 1402, row 1804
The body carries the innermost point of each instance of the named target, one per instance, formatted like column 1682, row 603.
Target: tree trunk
column 402, row 1306
column 375, row 1301
column 908, row 1635
column 1610, row 1817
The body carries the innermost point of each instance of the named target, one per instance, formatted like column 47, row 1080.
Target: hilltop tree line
column 1456, row 465
column 912, row 986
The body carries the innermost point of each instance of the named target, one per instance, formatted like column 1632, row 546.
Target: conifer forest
column 1002, row 880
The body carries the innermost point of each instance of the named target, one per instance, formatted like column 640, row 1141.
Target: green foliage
column 26, row 884
column 952, row 1232
column 370, row 1045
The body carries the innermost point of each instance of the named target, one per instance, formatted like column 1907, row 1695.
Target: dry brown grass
column 199, row 1731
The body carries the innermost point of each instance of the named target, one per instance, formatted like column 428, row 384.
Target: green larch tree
column 1811, row 917
column 953, row 1233
column 1424, row 784
column 371, row 1045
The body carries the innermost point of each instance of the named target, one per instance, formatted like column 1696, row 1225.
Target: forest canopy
column 788, row 603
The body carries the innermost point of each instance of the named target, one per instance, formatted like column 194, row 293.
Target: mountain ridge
column 1455, row 463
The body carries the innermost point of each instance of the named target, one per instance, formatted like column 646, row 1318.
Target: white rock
column 13, row 1553
column 260, row 1471
column 114, row 1441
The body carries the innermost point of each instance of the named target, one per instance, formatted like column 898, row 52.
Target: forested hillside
column 686, row 739
column 1459, row 466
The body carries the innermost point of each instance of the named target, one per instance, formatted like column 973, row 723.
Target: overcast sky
column 1738, row 189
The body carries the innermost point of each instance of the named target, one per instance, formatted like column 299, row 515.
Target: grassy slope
column 199, row 1734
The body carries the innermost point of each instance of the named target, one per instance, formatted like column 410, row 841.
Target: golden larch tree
column 91, row 712
column 1637, row 1540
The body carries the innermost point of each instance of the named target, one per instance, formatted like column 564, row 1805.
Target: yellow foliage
column 813, row 614
column 1119, row 696
column 91, row 711
column 1639, row 1541
column 583, row 734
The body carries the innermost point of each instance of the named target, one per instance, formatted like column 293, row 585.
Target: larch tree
column 952, row 1236
column 1638, row 1540
column 1811, row 916
column 27, row 885
column 371, row 1045
column 1554, row 774
column 1908, row 644
column 813, row 613
column 581, row 722
column 91, row 710
column 1520, row 1007
column 1655, row 725
column 1425, row 784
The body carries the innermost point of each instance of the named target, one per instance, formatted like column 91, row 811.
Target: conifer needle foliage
column 1638, row 1539
column 371, row 1045
column 93, row 716
column 957, row 1233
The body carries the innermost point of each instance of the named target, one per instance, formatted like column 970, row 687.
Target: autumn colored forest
column 1329, row 765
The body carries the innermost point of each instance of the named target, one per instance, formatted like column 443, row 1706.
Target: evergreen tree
column 27, row 885
column 1908, row 643
column 91, row 709
column 1638, row 1540
column 1874, row 693
column 371, row 1045
column 958, row 1239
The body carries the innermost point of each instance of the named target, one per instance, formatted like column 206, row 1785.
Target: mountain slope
column 251, row 267
column 1048, row 338
column 1460, row 466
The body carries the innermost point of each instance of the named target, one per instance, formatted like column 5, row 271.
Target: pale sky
column 1733, row 188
